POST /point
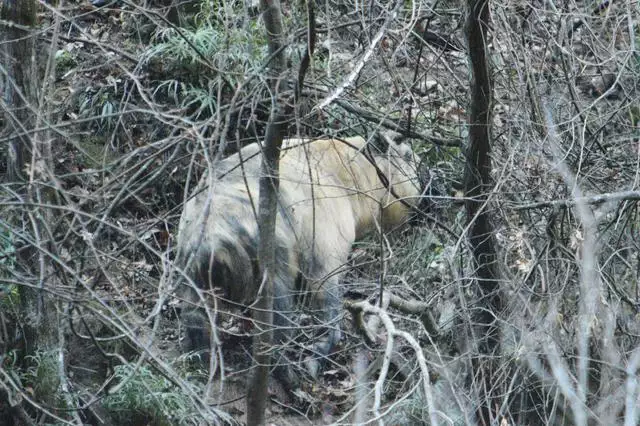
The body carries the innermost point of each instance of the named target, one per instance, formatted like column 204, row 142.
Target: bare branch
column 590, row 200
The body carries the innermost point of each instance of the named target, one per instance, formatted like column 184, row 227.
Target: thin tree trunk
column 28, row 164
column 257, row 392
column 17, row 81
column 477, row 189
column 19, row 92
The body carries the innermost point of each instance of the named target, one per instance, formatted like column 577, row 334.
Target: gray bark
column 477, row 190
column 257, row 393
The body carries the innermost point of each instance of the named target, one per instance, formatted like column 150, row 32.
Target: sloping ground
column 137, row 103
column 130, row 118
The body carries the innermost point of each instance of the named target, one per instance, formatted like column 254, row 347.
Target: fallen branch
column 409, row 307
column 393, row 333
column 595, row 199
column 418, row 308
column 358, row 66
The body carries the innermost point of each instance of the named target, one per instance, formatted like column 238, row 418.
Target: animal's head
column 401, row 168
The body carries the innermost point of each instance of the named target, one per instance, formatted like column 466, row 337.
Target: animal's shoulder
column 246, row 161
column 343, row 147
column 326, row 153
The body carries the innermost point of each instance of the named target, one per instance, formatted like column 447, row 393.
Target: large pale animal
column 332, row 192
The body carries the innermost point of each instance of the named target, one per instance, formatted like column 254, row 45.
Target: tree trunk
column 19, row 91
column 257, row 392
column 18, row 84
column 477, row 189
column 29, row 165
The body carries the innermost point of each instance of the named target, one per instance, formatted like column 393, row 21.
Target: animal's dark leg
column 329, row 303
column 283, row 307
column 196, row 330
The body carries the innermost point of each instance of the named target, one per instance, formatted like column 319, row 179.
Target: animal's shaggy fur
column 331, row 194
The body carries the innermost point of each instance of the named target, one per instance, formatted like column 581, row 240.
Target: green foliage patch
column 198, row 65
column 147, row 396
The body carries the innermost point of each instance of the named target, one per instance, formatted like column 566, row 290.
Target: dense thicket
column 110, row 116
